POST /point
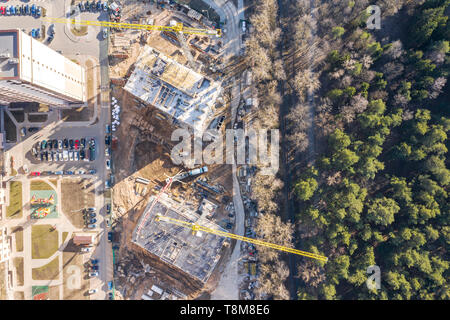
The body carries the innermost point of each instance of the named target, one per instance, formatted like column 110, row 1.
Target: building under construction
column 185, row 97
column 195, row 254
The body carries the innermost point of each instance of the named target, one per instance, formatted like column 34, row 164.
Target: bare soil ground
column 53, row 293
column 77, row 194
column 71, row 257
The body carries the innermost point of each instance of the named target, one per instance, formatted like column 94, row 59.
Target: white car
column 92, row 291
column 93, row 274
column 70, row 155
column 108, row 164
column 76, row 156
column 81, row 171
column 86, row 249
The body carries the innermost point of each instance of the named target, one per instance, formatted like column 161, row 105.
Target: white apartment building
column 4, row 245
column 32, row 72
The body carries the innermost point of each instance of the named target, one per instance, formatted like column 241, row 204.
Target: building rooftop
column 197, row 255
column 8, row 50
column 173, row 88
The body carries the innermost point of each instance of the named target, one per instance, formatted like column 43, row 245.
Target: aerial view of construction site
column 209, row 150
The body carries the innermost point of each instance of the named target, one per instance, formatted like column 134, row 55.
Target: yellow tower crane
column 196, row 227
column 175, row 27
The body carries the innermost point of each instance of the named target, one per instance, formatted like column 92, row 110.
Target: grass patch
column 18, row 265
column 19, row 295
column 37, row 117
column 14, row 210
column 64, row 235
column 79, row 31
column 47, row 272
column 18, row 232
column 54, row 182
column 44, row 242
column 40, row 185
column 2, row 281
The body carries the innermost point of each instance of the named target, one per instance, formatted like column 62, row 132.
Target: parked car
column 92, row 291
column 68, row 172
column 60, row 144
column 93, row 171
column 93, row 274
column 108, row 208
column 92, row 226
column 86, row 249
column 95, row 268
column 55, row 144
column 71, row 144
column 60, row 155
column 108, row 164
column 107, row 152
column 110, row 235
column 77, row 144
column 33, row 129
column 108, row 128
column 76, row 156
column 83, row 143
column 59, row 172
column 2, row 10
column 35, row 173
column 99, row 5
column 39, row 11
column 94, row 261
column 91, row 209
column 92, row 154
column 105, row 6
column 81, row 171
column 110, row 296
column 66, row 143
column 108, row 140
column 105, row 33
column 33, row 9
column 110, row 285
column 23, row 131
column 107, row 184
column 81, row 6
column 70, row 155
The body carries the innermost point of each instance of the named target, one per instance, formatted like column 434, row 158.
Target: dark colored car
column 110, row 236
column 55, row 144
column 110, row 296
column 83, row 142
column 33, row 129
column 108, row 140
column 82, row 154
column 43, row 144
column 42, row 156
column 92, row 155
column 66, row 143
column 46, row 155
column 108, row 208
column 92, row 171
column 93, row 220
column 94, row 261
column 71, row 143
column 95, row 268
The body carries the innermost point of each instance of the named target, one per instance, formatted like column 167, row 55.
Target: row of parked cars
column 93, row 6
column 21, row 10
column 65, row 150
column 61, row 172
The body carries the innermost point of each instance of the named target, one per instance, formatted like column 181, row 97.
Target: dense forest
column 368, row 155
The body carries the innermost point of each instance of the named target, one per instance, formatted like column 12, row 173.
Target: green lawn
column 18, row 232
column 44, row 242
column 47, row 272
column 40, row 185
column 14, row 210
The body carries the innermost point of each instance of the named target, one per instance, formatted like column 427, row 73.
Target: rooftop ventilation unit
column 5, row 55
column 13, row 61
